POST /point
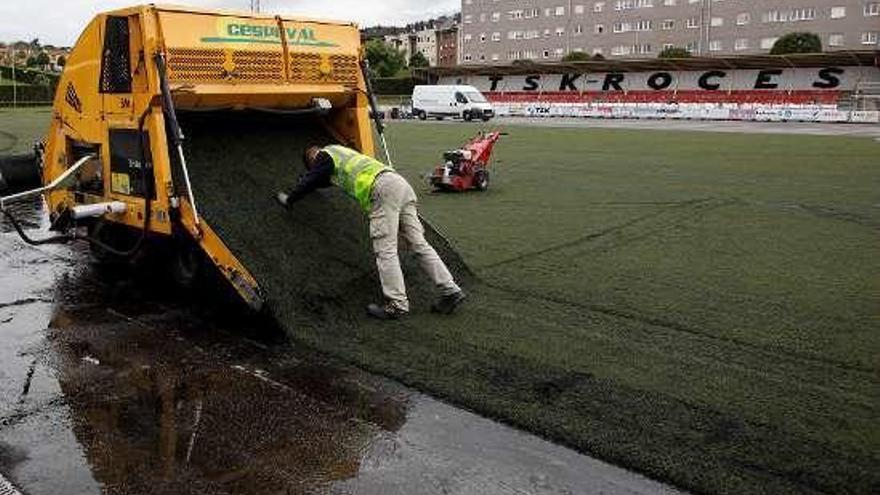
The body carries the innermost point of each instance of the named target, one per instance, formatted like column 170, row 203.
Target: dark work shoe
column 448, row 304
column 386, row 312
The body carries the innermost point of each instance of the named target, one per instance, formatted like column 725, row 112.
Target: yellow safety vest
column 355, row 173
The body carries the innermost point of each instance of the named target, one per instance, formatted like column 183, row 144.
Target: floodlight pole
column 14, row 84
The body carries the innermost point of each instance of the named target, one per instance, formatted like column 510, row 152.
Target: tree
column 674, row 52
column 43, row 60
column 31, row 61
column 797, row 43
column 385, row 61
column 61, row 61
column 418, row 60
column 576, row 57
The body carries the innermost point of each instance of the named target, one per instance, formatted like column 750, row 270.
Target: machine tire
column 109, row 234
column 481, row 180
column 486, row 118
column 422, row 115
column 187, row 264
column 467, row 116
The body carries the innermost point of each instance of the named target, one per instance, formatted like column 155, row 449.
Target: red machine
column 468, row 167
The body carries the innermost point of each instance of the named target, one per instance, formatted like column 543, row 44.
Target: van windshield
column 475, row 96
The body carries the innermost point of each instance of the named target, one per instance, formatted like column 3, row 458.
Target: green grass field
column 703, row 308
column 20, row 128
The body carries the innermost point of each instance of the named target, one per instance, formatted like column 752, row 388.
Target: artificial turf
column 700, row 307
column 20, row 128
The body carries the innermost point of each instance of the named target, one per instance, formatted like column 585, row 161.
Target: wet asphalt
column 110, row 382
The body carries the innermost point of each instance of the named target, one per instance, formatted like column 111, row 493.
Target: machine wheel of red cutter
column 467, row 167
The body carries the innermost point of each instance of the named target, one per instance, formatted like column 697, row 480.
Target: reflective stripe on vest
column 355, row 173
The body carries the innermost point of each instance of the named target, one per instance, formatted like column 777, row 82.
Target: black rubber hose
column 58, row 239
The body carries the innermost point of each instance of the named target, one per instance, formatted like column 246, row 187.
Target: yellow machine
column 113, row 154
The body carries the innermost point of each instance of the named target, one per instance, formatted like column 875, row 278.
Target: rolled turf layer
column 654, row 392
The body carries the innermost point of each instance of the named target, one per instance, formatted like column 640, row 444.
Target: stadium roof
column 837, row 58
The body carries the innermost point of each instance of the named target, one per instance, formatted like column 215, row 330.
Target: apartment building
column 426, row 44
column 500, row 31
column 447, row 46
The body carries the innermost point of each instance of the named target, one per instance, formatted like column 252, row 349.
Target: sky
column 59, row 22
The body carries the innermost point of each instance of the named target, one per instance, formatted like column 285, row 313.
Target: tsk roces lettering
column 713, row 80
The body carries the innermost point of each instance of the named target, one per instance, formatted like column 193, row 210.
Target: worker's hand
column 282, row 199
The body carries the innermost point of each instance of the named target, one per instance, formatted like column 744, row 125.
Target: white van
column 465, row 102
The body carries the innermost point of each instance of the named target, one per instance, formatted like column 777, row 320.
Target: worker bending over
column 391, row 204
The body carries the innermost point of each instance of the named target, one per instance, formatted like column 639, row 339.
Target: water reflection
column 164, row 399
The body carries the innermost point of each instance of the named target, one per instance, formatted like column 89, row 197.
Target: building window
column 599, row 29
column 807, row 14
column 836, row 39
column 741, row 44
column 546, row 54
column 693, row 23
column 872, row 9
column 558, row 52
column 578, row 9
column 621, row 27
column 669, row 3
column 496, row 36
column 775, row 16
column 496, row 16
column 838, row 12
column 598, row 6
column 578, row 30
column 869, row 38
column 717, row 21
column 667, row 24
column 715, row 46
column 468, row 19
column 743, row 19
column 560, row 31
column 483, row 17
column 482, row 37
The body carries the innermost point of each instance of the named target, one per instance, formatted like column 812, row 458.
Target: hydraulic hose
column 374, row 107
column 58, row 239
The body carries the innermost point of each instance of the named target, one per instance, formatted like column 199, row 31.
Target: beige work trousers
column 394, row 212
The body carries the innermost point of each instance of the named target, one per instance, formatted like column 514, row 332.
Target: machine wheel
column 111, row 235
column 467, row 116
column 422, row 115
column 486, row 118
column 481, row 179
column 186, row 264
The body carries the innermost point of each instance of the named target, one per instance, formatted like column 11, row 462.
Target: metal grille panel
column 313, row 68
column 115, row 63
column 194, row 66
column 217, row 66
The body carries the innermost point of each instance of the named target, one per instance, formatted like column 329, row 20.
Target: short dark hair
column 305, row 155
